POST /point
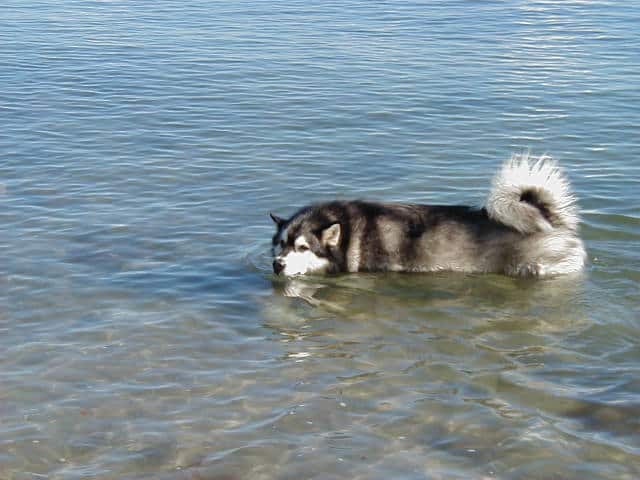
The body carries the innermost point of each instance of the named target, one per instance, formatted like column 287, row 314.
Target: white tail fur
column 532, row 195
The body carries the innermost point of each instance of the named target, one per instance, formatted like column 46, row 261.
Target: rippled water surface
column 142, row 335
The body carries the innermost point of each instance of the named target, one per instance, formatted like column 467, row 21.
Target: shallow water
column 141, row 332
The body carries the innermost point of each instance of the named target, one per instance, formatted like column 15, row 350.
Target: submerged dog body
column 528, row 228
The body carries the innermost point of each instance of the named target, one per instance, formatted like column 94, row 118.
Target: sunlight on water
column 142, row 334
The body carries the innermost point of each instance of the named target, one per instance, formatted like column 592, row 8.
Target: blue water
column 142, row 335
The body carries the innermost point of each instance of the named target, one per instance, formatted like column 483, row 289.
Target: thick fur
column 528, row 228
column 532, row 195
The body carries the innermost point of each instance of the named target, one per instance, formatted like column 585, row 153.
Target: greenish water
column 142, row 334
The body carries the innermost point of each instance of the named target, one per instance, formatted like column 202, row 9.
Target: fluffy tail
column 532, row 195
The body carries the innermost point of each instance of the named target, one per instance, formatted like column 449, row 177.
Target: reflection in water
column 432, row 355
column 425, row 298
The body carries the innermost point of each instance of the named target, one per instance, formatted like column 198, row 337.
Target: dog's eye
column 303, row 248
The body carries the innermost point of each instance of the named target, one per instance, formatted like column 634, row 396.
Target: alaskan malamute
column 529, row 227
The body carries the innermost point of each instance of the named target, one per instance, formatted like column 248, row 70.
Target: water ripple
column 143, row 335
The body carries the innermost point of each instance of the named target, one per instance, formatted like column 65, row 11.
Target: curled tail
column 532, row 195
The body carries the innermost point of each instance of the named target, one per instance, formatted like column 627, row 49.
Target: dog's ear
column 276, row 219
column 331, row 235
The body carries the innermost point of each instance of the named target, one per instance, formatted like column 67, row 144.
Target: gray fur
column 531, row 233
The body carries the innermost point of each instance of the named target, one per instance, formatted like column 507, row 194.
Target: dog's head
column 303, row 245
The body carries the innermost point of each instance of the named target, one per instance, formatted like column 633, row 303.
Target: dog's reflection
column 301, row 289
column 307, row 290
column 552, row 301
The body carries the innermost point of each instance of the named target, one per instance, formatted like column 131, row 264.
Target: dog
column 528, row 228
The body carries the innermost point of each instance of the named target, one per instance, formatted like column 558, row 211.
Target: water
column 141, row 333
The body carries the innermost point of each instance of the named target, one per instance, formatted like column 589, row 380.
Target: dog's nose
column 278, row 266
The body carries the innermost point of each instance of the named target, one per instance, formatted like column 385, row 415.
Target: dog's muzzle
column 278, row 266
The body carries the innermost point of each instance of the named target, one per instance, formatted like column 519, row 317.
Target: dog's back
column 422, row 238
